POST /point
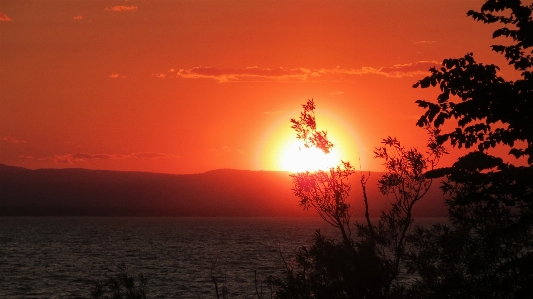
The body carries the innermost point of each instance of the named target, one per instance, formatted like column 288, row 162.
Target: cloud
column 226, row 149
column 273, row 112
column 257, row 74
column 409, row 69
column 244, row 74
column 84, row 157
column 62, row 160
column 120, row 8
column 159, row 75
column 396, row 71
column 10, row 139
column 152, row 155
column 116, row 76
column 424, row 42
column 78, row 18
column 5, row 18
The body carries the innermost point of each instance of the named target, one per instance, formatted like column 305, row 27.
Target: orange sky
column 182, row 86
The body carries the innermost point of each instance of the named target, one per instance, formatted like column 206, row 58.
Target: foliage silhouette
column 120, row 285
column 486, row 249
column 486, row 252
column 369, row 264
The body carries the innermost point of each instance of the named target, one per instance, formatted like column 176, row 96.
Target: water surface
column 51, row 257
column 59, row 257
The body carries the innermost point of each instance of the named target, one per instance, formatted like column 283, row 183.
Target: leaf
column 443, row 97
column 469, row 58
column 424, row 83
column 477, row 161
column 442, row 138
column 516, row 152
column 438, row 173
column 440, row 119
column 449, row 63
column 422, row 121
column 423, row 104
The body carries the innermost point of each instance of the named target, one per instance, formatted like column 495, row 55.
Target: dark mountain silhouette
column 225, row 192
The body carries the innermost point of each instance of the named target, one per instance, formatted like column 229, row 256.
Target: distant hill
column 225, row 192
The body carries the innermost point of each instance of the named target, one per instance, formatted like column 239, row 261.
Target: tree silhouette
column 486, row 252
column 405, row 179
column 489, row 110
column 368, row 264
column 120, row 285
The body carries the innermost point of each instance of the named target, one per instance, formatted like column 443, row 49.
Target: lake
column 47, row 257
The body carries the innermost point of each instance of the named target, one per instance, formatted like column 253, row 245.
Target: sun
column 297, row 158
column 279, row 149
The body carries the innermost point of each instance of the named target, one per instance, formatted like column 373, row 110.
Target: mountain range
column 224, row 193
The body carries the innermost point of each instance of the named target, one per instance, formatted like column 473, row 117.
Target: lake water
column 60, row 257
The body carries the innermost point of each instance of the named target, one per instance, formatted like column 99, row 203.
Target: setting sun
column 297, row 158
column 280, row 150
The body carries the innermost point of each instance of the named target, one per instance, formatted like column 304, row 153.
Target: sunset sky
column 178, row 86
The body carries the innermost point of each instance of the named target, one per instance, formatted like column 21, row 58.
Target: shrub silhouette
column 486, row 250
column 368, row 264
column 120, row 285
column 330, row 269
